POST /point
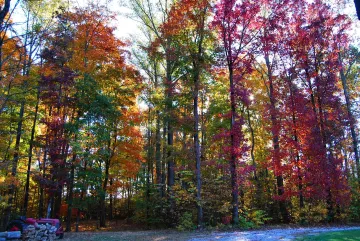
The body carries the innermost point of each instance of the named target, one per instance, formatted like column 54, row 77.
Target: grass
column 349, row 235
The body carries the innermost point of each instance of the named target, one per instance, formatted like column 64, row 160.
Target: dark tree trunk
column 163, row 164
column 149, row 164
column 357, row 6
column 15, row 161
column 157, row 138
column 31, row 143
column 4, row 11
column 252, row 144
column 81, row 197
column 234, row 183
column 128, row 198
column 41, row 201
column 158, row 151
column 197, row 149
column 170, row 119
column 276, row 146
column 106, row 178
column 295, row 135
column 170, row 138
column 111, row 202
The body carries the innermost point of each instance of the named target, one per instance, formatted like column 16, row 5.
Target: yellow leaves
column 5, row 182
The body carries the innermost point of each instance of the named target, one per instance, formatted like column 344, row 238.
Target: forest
column 218, row 113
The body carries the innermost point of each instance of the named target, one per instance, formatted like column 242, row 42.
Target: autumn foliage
column 227, row 112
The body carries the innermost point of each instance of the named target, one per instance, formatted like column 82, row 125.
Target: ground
column 273, row 234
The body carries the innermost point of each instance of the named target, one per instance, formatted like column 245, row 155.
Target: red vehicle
column 21, row 224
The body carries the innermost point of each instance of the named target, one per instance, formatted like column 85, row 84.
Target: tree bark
column 197, row 148
column 70, row 197
column 111, row 202
column 276, row 146
column 158, row 151
column 31, row 143
column 350, row 116
column 15, row 161
column 170, row 132
column 3, row 12
column 106, row 178
column 149, row 164
column 234, row 184
column 157, row 139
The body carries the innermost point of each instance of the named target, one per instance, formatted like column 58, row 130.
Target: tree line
column 219, row 113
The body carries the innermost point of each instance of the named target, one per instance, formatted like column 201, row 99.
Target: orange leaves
column 95, row 48
column 127, row 156
column 185, row 16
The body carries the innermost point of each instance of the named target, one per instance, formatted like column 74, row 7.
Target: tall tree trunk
column 295, row 135
column 128, row 197
column 106, row 178
column 350, row 117
column 170, row 132
column 163, row 163
column 83, row 189
column 70, row 197
column 25, row 72
column 252, row 144
column 170, row 138
column 157, row 138
column 197, row 148
column 41, row 199
column 31, row 143
column 158, row 151
column 149, row 164
column 103, row 195
column 111, row 202
column 15, row 161
column 234, row 183
column 276, row 146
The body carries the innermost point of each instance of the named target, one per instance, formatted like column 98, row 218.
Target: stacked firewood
column 40, row 233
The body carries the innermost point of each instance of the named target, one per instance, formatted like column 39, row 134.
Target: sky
column 125, row 27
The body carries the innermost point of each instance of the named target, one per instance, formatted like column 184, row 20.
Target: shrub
column 246, row 224
column 258, row 217
column 186, row 222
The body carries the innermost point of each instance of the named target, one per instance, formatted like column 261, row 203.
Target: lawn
column 349, row 235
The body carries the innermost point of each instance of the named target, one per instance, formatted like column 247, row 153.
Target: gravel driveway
column 283, row 234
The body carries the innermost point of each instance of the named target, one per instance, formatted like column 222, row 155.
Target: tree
column 191, row 36
column 236, row 25
column 352, row 57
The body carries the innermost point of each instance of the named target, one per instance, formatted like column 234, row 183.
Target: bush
column 245, row 224
column 258, row 217
column 186, row 222
column 315, row 213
